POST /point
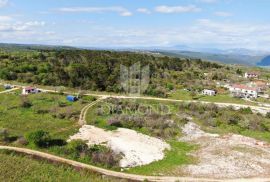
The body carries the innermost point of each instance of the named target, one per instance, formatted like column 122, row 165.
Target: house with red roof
column 29, row 90
column 251, row 75
column 244, row 91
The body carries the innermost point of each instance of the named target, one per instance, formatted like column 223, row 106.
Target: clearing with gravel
column 137, row 149
column 226, row 156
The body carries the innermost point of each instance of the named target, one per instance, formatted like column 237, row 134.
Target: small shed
column 72, row 98
column 7, row 86
column 30, row 90
column 209, row 92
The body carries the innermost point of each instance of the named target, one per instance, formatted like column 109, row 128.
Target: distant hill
column 29, row 47
column 264, row 62
column 227, row 58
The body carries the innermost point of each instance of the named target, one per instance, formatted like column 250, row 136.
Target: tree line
column 98, row 70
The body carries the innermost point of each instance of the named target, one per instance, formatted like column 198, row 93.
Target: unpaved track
column 134, row 177
column 258, row 109
column 10, row 90
column 82, row 119
column 109, row 173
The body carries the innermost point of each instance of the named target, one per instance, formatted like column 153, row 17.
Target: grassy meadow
column 17, row 167
column 223, row 98
column 49, row 112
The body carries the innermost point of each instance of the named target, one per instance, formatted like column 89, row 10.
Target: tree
column 239, row 72
column 38, row 138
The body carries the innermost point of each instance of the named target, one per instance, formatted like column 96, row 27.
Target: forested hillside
column 100, row 70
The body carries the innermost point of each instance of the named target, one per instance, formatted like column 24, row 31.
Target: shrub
column 38, row 138
column 4, row 134
column 170, row 86
column 77, row 148
column 114, row 122
column 21, row 141
column 25, row 103
column 268, row 115
column 106, row 157
column 100, row 112
column 234, row 119
column 246, row 110
column 62, row 104
column 39, row 110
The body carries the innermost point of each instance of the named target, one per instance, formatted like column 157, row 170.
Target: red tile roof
column 252, row 73
column 29, row 88
column 241, row 86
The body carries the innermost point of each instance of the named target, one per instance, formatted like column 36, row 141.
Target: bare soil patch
column 226, row 156
column 137, row 149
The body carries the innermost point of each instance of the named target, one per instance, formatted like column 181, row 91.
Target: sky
column 222, row 24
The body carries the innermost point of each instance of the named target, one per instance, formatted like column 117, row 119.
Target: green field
column 52, row 113
column 223, row 98
column 2, row 88
column 16, row 167
column 49, row 112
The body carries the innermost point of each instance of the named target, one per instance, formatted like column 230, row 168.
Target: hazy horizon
column 216, row 24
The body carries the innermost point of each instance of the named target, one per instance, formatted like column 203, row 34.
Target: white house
column 29, row 90
column 243, row 91
column 209, row 92
column 251, row 75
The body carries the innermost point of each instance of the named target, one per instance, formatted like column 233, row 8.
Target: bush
column 114, row 122
column 40, row 110
column 268, row 115
column 106, row 157
column 25, row 103
column 21, row 141
column 62, row 104
column 77, row 146
column 38, row 138
column 4, row 134
column 246, row 110
column 234, row 119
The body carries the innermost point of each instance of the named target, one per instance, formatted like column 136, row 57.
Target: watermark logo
column 134, row 79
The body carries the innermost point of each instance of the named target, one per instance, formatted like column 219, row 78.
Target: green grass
column 100, row 121
column 264, row 100
column 181, row 95
column 17, row 167
column 19, row 120
column 174, row 158
column 225, row 129
column 223, row 98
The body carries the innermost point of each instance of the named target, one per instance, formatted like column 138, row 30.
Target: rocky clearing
column 137, row 149
column 227, row 156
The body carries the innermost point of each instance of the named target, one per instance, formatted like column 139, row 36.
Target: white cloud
column 126, row 13
column 223, row 14
column 203, row 32
column 5, row 18
column 20, row 26
column 177, row 9
column 208, row 1
column 144, row 10
column 117, row 9
column 3, row 3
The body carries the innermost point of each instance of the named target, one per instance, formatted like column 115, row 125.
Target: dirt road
column 10, row 90
column 257, row 109
column 109, row 173
column 82, row 119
